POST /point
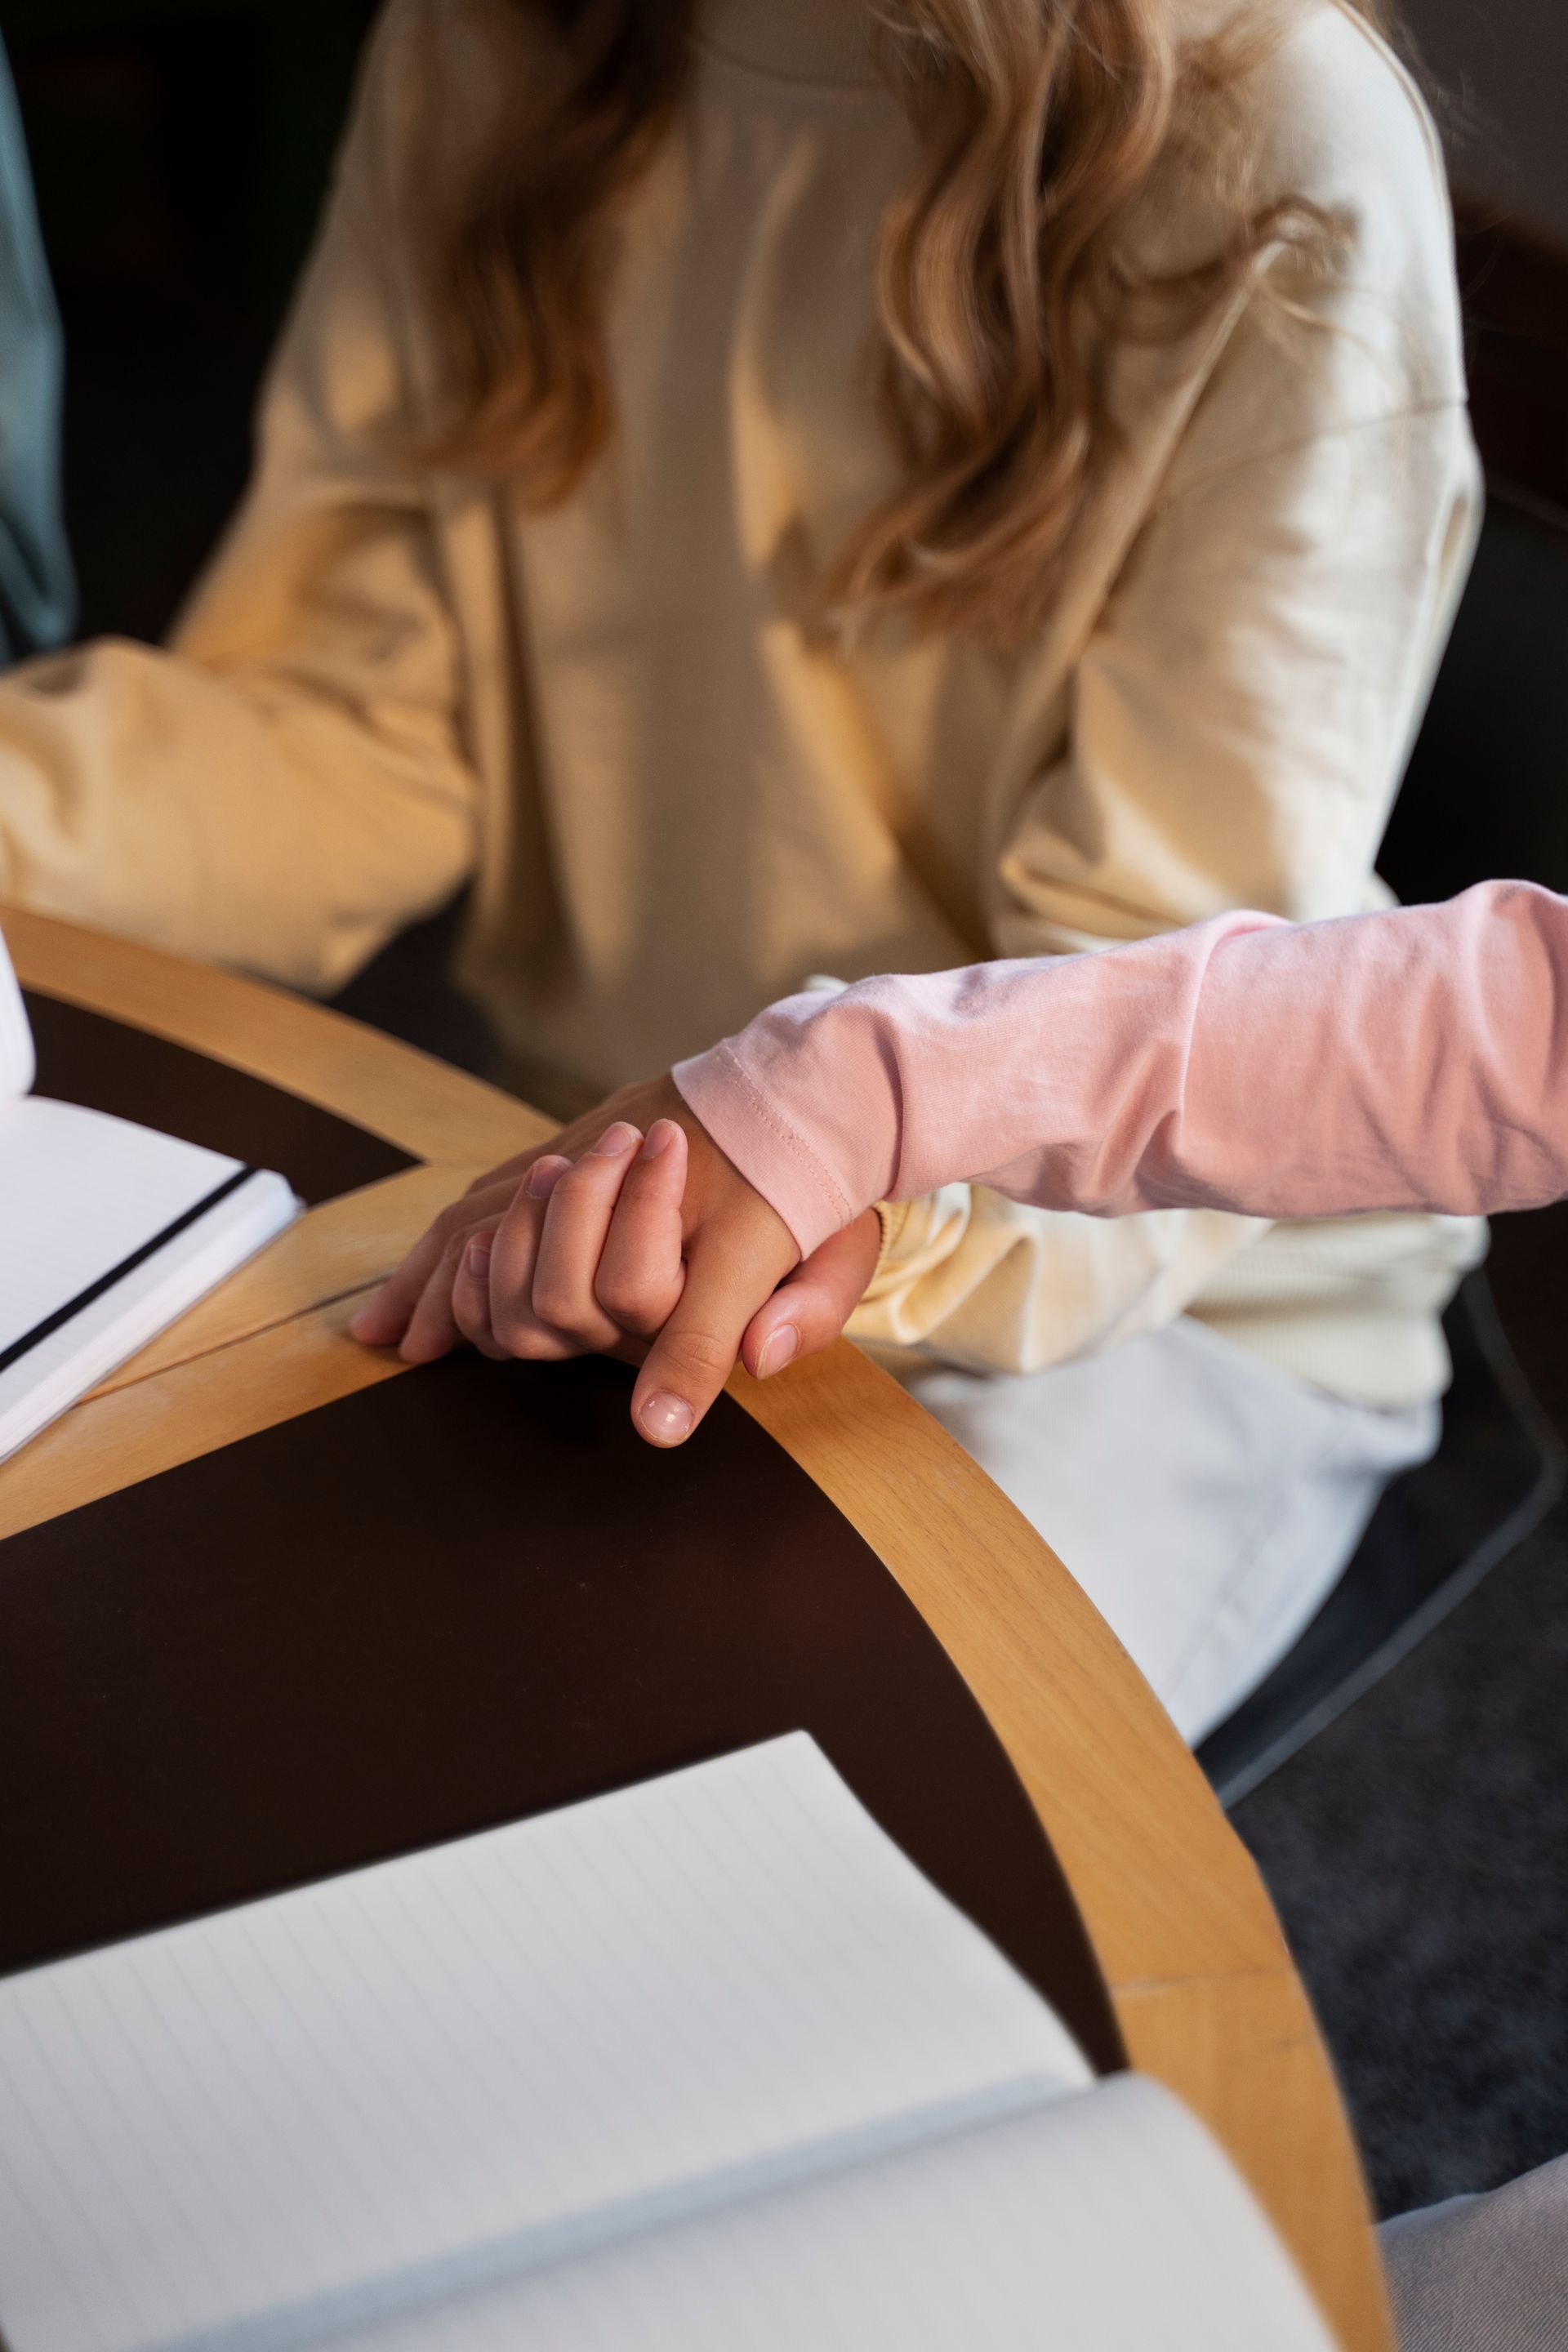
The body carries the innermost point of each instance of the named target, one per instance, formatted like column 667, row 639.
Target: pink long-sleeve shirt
column 1417, row 1059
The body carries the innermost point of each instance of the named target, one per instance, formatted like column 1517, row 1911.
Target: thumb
column 695, row 1353
column 810, row 1307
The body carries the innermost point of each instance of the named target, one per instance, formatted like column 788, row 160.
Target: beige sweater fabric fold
column 673, row 805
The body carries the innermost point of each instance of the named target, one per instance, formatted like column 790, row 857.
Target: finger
column 639, row 1103
column 641, row 1272
column 383, row 1322
column 433, row 1327
column 576, row 1222
column 564, row 1145
column 471, row 1293
column 810, row 1307
column 384, row 1319
column 692, row 1359
column 514, row 1325
column 511, row 1172
column 728, row 1277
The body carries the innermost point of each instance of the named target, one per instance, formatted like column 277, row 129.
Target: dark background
column 1419, row 1849
column 179, row 149
column 1504, row 65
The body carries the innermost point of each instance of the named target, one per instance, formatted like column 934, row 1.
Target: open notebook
column 107, row 1231
column 702, row 2063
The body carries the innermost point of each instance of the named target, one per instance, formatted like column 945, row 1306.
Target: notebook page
column 17, row 1062
column 105, row 1330
column 78, row 1192
column 312, row 2109
column 1108, row 2222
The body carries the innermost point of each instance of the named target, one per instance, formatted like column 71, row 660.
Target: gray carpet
column 1417, row 1850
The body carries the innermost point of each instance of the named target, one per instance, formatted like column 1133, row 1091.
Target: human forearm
column 238, row 817
column 1406, row 1061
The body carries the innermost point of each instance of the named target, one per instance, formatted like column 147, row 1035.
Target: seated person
column 37, row 593
column 839, row 486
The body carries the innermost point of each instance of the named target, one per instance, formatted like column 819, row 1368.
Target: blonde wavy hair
column 1005, row 272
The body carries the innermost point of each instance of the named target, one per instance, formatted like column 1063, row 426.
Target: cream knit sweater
column 673, row 806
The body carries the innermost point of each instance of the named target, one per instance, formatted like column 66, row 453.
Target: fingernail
column 477, row 1256
column 362, row 1324
column 616, row 1141
column 666, row 1419
column 660, row 1136
column 777, row 1349
column 544, row 1177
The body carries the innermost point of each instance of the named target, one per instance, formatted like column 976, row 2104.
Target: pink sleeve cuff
column 728, row 1088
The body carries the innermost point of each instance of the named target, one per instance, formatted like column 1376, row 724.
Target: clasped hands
column 631, row 1234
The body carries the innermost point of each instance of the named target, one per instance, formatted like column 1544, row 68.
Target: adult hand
column 428, row 1307
column 631, row 1234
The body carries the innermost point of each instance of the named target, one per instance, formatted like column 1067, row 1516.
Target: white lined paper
column 105, row 1330
column 364, row 2093
column 1104, row 2221
column 79, row 1191
column 81, row 1194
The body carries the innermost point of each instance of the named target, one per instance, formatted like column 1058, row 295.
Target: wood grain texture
column 1202, row 1986
column 1245, row 2054
column 347, row 1245
column 127, row 1433
column 420, row 1104
column 1174, row 1893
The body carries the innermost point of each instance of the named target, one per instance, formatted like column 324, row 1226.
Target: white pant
column 1205, row 1502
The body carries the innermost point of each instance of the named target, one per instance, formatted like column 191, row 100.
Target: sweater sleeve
column 290, row 784
column 1417, row 1059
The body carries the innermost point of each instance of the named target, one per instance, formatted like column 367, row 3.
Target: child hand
column 620, row 1239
